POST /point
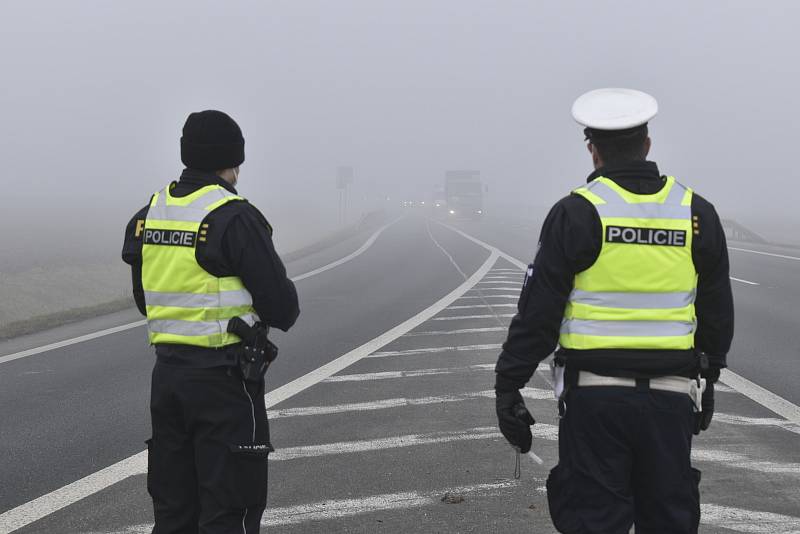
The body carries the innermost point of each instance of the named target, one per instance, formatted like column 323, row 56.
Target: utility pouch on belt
column 257, row 351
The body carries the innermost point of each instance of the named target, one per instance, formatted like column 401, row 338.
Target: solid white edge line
column 765, row 253
column 753, row 391
column 94, row 335
column 49, row 503
column 363, row 248
column 72, row 341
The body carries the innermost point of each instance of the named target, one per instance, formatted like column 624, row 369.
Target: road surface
column 381, row 401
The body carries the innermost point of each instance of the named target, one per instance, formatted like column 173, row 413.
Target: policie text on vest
column 645, row 236
column 180, row 238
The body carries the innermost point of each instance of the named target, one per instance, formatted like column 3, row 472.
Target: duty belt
column 693, row 387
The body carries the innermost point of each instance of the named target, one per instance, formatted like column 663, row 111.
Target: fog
column 95, row 94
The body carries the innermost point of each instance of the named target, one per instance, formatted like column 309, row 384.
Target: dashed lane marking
column 763, row 396
column 756, row 421
column 497, row 288
column 400, row 402
column 393, row 442
column 463, row 317
column 500, row 296
column 459, row 331
column 136, row 324
column 753, row 391
column 748, row 521
column 748, row 282
column 391, row 375
column 539, row 430
column 426, row 350
column 49, row 503
column 481, row 306
column 740, row 461
column 392, row 501
column 342, row 508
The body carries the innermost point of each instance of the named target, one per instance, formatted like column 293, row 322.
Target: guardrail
column 736, row 232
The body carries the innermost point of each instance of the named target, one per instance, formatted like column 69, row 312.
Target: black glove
column 703, row 419
column 514, row 419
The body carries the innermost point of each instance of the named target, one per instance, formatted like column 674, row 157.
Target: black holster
column 256, row 352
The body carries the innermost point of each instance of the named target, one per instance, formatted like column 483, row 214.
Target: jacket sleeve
column 248, row 250
column 714, row 303
column 132, row 255
column 569, row 243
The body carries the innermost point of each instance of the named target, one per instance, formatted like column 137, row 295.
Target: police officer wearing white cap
column 630, row 286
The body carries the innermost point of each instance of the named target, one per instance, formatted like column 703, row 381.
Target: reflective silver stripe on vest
column 195, row 211
column 644, row 210
column 176, row 213
column 223, row 299
column 194, row 328
column 616, row 206
column 216, row 195
column 633, row 301
column 627, row 328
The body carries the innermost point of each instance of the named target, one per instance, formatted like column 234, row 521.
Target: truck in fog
column 463, row 194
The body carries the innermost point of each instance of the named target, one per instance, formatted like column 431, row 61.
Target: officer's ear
column 647, row 144
column 596, row 159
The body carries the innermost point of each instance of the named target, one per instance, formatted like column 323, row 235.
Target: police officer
column 200, row 255
column 631, row 281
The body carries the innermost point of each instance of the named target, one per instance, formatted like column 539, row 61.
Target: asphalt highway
column 381, row 403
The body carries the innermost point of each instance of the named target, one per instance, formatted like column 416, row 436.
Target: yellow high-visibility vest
column 185, row 303
column 640, row 292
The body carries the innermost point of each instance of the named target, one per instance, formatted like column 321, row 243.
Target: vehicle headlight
column 480, row 212
column 452, row 212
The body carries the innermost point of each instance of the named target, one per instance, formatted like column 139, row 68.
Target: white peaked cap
column 614, row 109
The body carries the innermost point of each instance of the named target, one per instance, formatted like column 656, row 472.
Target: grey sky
column 95, row 93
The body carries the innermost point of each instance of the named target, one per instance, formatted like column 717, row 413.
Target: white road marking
column 462, row 317
column 756, row 421
column 795, row 258
column 542, row 431
column 49, row 503
column 389, row 375
column 400, row 402
column 481, row 306
column 363, row 505
column 505, row 278
column 363, row 248
column 444, row 251
column 393, row 442
column 342, row 508
column 496, row 288
column 506, row 285
column 426, row 350
column 108, row 331
column 458, row 331
column 71, row 341
column 45, row 505
column 514, row 296
column 748, row 282
column 715, row 515
column 749, row 521
column 740, row 461
column 766, row 398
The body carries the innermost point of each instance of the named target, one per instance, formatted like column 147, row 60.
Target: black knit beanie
column 211, row 141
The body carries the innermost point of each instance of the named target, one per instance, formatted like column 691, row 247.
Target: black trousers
column 624, row 459
column 207, row 459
